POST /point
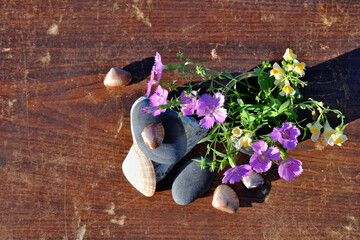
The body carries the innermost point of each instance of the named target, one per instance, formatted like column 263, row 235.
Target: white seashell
column 117, row 77
column 194, row 133
column 153, row 135
column 253, row 180
column 139, row 171
column 225, row 199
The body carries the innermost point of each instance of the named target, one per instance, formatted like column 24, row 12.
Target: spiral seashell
column 117, row 77
column 253, row 180
column 225, row 199
column 153, row 135
column 139, row 171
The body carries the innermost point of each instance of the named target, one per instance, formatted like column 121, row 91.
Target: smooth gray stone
column 174, row 145
column 191, row 182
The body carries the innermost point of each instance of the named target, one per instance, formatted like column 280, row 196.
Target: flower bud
column 223, row 164
column 232, row 161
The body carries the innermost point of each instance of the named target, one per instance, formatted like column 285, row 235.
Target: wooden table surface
column 64, row 136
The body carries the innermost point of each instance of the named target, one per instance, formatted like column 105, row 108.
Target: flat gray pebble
column 191, row 182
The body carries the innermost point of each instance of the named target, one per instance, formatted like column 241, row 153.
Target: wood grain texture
column 64, row 135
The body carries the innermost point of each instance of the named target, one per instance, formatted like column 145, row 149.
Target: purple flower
column 290, row 168
column 151, row 82
column 236, row 173
column 159, row 67
column 149, row 109
column 190, row 103
column 260, row 161
column 211, row 109
column 159, row 98
column 286, row 135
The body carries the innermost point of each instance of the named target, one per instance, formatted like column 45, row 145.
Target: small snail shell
column 117, row 77
column 253, row 180
column 153, row 135
column 225, row 199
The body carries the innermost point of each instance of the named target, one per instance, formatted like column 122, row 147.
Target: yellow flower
column 328, row 132
column 337, row 138
column 278, row 73
column 241, row 142
column 289, row 55
column 315, row 130
column 299, row 67
column 287, row 89
column 246, row 140
column 236, row 132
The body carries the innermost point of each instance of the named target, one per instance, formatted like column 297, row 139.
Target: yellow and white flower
column 328, row 132
column 241, row 142
column 278, row 73
column 289, row 55
column 237, row 132
column 287, row 89
column 299, row 67
column 315, row 130
column 337, row 138
column 333, row 137
column 246, row 140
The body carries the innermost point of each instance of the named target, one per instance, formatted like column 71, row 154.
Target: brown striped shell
column 117, row 77
column 153, row 135
column 139, row 171
column 225, row 199
column 253, row 180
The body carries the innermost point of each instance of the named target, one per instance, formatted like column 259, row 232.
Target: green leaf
column 273, row 114
column 291, row 114
column 220, row 154
column 205, row 139
column 284, row 106
column 228, row 75
column 264, row 82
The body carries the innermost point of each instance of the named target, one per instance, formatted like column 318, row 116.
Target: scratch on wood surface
column 324, row 47
column 320, row 145
column 53, row 30
column 65, row 213
column 214, row 55
column 120, row 221
column 111, row 210
column 45, row 59
column 353, row 224
column 91, row 97
column 342, row 175
column 140, row 16
column 120, row 124
column 81, row 232
column 188, row 28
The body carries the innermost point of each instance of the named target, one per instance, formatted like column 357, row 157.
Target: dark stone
column 161, row 170
column 174, row 145
column 191, row 182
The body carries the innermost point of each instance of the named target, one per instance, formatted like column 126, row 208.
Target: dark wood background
column 64, row 136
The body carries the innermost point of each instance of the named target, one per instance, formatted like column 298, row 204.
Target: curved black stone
column 191, row 182
column 173, row 147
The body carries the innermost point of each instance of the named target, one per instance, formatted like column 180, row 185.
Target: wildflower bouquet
column 254, row 113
